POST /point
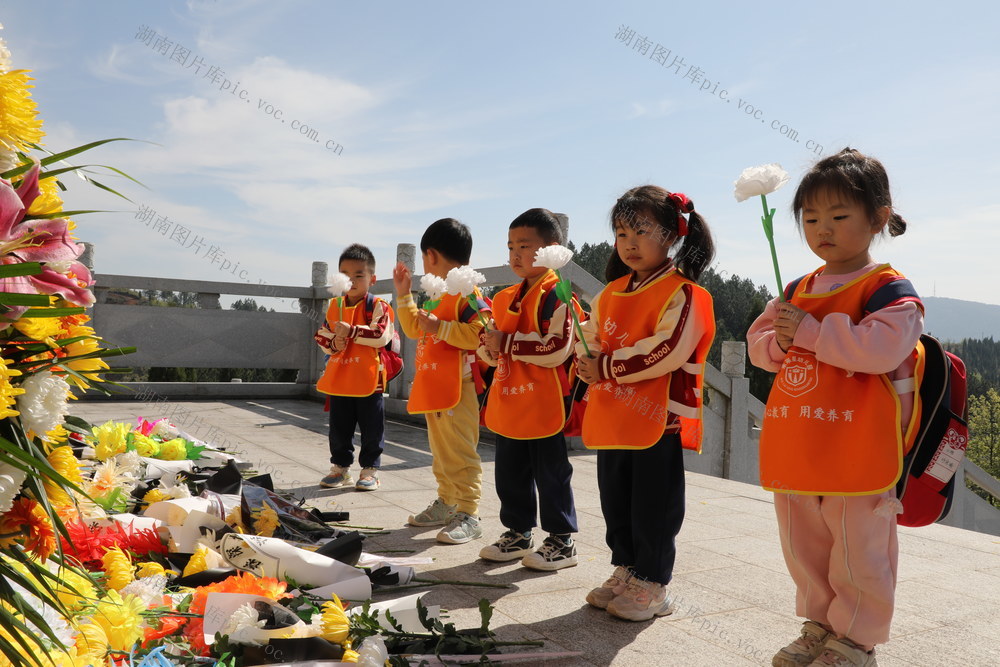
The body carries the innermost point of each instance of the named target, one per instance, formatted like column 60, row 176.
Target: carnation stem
column 474, row 302
column 768, row 222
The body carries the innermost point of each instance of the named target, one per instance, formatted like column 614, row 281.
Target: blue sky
column 480, row 111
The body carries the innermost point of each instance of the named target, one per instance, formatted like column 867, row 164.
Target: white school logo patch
column 798, row 374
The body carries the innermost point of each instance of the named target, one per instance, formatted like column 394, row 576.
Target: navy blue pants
column 368, row 414
column 525, row 466
column 642, row 498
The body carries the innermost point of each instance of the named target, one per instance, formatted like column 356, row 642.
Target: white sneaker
column 461, row 529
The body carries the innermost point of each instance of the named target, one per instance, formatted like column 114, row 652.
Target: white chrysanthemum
column 433, row 286
column 50, row 616
column 462, row 280
column 148, row 589
column 340, row 283
column 243, row 625
column 43, row 404
column 109, row 475
column 553, row 256
column 11, row 480
column 129, row 463
column 373, row 652
column 760, row 180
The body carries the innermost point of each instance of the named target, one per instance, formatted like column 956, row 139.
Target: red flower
column 27, row 522
column 244, row 582
column 88, row 543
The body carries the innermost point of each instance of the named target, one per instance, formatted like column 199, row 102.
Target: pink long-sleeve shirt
column 879, row 343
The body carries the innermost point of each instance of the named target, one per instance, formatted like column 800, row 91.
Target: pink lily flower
column 45, row 241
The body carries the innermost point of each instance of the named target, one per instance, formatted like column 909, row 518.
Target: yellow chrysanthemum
column 92, row 643
column 266, row 522
column 173, row 450
column 74, row 590
column 336, row 625
column 150, row 569
column 155, row 495
column 67, row 465
column 198, row 561
column 89, row 368
column 48, row 200
column 8, row 391
column 350, row 656
column 56, row 436
column 145, row 446
column 120, row 619
column 110, row 439
column 235, row 519
column 19, row 124
column 118, row 568
column 40, row 328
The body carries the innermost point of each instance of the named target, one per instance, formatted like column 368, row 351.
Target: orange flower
column 28, row 520
column 244, row 582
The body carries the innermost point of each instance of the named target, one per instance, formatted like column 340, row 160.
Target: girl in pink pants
column 840, row 415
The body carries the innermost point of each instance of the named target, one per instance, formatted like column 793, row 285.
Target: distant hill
column 955, row 319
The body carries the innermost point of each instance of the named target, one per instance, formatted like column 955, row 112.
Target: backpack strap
column 896, row 290
column 548, row 309
column 792, row 286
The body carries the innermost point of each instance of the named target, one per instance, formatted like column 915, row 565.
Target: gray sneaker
column 337, row 477
column 438, row 513
column 461, row 529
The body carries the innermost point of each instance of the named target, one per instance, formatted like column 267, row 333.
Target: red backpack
column 927, row 485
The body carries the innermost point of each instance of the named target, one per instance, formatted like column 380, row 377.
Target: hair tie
column 684, row 205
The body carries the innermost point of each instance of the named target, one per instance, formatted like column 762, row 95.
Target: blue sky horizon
column 276, row 134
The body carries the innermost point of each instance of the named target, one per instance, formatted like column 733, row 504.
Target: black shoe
column 554, row 554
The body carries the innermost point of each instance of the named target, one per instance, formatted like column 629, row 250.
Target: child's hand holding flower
column 787, row 323
column 588, row 368
column 428, row 322
column 341, row 329
column 493, row 339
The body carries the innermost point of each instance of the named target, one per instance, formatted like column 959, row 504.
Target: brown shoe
column 844, row 653
column 803, row 650
column 610, row 589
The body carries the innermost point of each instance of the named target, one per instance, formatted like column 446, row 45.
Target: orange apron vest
column 526, row 400
column 828, row 431
column 636, row 414
column 439, row 367
column 355, row 371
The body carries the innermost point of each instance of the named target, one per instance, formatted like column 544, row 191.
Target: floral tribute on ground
column 136, row 544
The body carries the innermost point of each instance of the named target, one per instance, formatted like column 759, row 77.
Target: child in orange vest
column 443, row 388
column 354, row 377
column 530, row 341
column 839, row 414
column 648, row 335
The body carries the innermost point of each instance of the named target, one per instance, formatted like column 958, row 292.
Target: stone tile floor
column 735, row 599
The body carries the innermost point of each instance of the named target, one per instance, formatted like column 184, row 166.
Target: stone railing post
column 315, row 309
column 400, row 388
column 738, row 462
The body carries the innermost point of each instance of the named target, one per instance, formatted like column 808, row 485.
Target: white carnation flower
column 340, row 283
column 462, row 280
column 553, row 257
column 760, row 180
column 433, row 286
column 11, row 480
column 43, row 405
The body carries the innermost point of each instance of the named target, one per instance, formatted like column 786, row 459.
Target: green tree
column 984, row 436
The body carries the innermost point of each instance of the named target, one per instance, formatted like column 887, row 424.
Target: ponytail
column 697, row 250
column 897, row 226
